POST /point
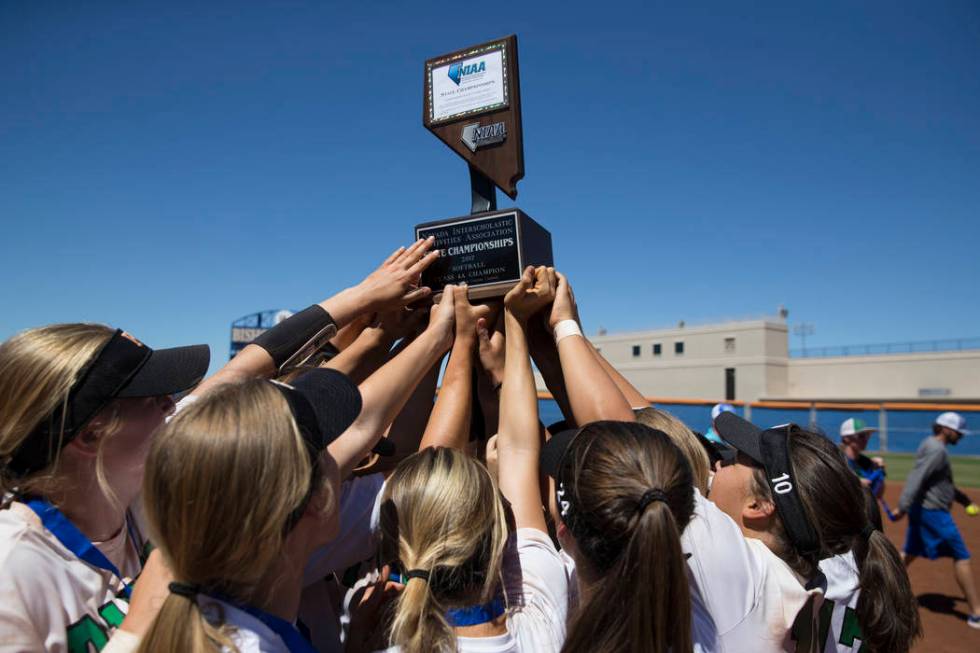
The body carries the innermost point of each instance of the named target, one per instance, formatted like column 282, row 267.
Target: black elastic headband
column 100, row 382
column 782, row 483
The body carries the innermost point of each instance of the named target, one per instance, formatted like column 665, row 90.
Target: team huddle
column 318, row 493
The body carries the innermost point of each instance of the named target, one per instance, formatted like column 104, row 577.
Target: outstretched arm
column 449, row 424
column 392, row 285
column 592, row 394
column 960, row 497
column 385, row 392
column 370, row 350
column 490, row 339
column 544, row 353
column 519, row 435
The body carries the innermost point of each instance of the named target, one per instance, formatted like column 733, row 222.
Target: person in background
column 717, row 410
column 854, row 436
column 926, row 499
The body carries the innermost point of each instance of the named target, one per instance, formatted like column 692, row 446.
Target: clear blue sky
column 170, row 167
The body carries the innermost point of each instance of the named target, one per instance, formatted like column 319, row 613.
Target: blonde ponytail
column 222, row 479
column 181, row 626
column 441, row 515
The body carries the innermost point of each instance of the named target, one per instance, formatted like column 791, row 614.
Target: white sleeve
column 726, row 571
column 356, row 541
column 538, row 598
column 122, row 642
column 19, row 631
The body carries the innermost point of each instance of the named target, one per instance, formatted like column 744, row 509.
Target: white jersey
column 536, row 588
column 753, row 597
column 838, row 622
column 49, row 599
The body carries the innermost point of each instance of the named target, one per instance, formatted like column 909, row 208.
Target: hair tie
column 417, row 573
column 867, row 531
column 655, row 494
column 184, row 589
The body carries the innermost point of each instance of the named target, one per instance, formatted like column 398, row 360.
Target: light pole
column 803, row 330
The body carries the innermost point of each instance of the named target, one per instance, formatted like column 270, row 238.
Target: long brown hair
column 836, row 505
column 222, row 479
column 640, row 600
column 442, row 514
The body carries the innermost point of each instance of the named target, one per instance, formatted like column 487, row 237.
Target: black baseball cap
column 769, row 449
column 324, row 403
column 123, row 367
column 553, row 451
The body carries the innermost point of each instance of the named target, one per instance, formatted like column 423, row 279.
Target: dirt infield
column 941, row 604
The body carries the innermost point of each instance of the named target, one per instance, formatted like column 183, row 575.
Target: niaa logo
column 458, row 71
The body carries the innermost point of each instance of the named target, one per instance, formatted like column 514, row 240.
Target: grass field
column 966, row 469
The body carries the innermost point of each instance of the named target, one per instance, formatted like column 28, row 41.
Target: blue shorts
column 933, row 534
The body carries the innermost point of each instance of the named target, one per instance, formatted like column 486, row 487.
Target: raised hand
column 396, row 282
column 491, row 349
column 402, row 322
column 564, row 307
column 442, row 317
column 467, row 316
column 534, row 291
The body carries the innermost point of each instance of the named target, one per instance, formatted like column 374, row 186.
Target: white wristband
column 566, row 328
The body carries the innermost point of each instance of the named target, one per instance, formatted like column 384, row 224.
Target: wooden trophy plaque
column 472, row 103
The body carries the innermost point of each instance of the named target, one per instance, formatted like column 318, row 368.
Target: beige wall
column 759, row 360
column 896, row 376
column 763, row 369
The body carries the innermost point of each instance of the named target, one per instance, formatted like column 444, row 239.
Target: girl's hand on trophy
column 396, row 282
column 532, row 293
column 467, row 316
column 442, row 318
column 492, row 351
column 564, row 306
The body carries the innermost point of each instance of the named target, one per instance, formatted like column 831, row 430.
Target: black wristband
column 298, row 337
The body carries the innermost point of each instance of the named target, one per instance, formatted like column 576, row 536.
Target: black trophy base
column 487, row 251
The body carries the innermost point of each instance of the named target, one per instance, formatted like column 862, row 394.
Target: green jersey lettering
column 86, row 635
column 851, row 630
column 111, row 614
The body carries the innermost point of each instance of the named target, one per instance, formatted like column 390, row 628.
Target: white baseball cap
column 854, row 426
column 721, row 408
column 952, row 421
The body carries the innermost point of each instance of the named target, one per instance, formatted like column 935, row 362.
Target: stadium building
column 751, row 361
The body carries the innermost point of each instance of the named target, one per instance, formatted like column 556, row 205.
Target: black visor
column 770, row 449
column 124, row 367
column 324, row 404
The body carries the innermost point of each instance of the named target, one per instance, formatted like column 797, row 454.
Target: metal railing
column 883, row 349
